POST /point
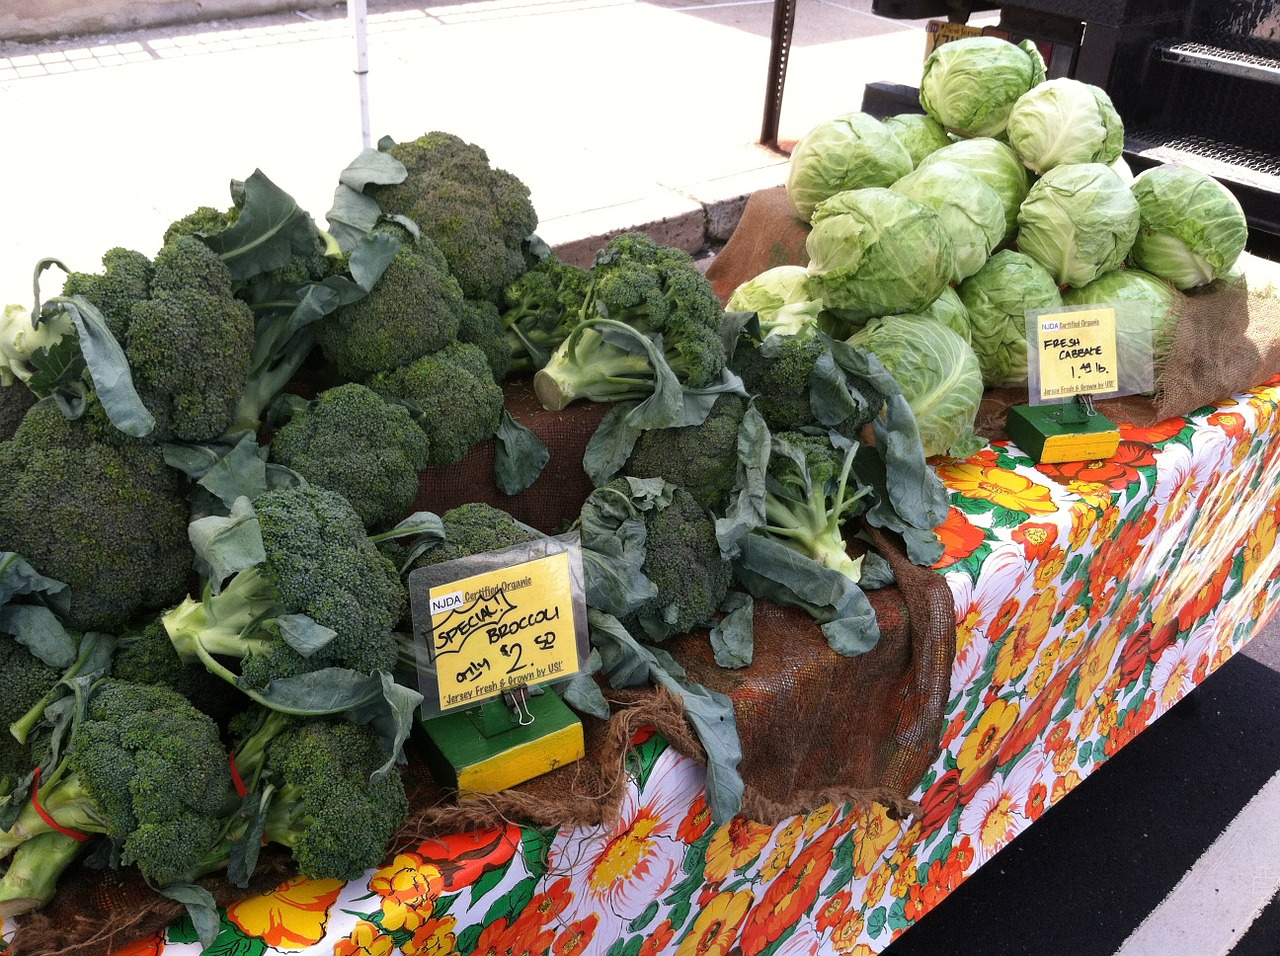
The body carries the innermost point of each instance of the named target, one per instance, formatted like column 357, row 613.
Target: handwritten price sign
column 494, row 631
column 1077, row 353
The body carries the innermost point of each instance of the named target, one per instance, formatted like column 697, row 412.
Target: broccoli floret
column 107, row 519
column 540, row 309
column 473, row 528
column 778, row 372
column 413, row 309
column 683, row 561
column 353, row 441
column 143, row 768
column 478, row 215
column 701, row 458
column 319, row 562
column 638, row 289
column 124, row 280
column 325, row 799
column 145, row 655
column 201, row 221
column 480, row 324
column 809, row 497
column 189, row 345
column 15, row 399
column 452, row 395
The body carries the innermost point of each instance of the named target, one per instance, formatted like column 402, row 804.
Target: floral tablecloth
column 1089, row 599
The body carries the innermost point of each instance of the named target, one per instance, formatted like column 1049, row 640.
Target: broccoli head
column 478, row 215
column 414, row 308
column 474, row 528
column 540, row 309
column 201, row 221
column 451, row 394
column 145, row 655
column 639, row 291
column 189, row 345
column 353, row 441
column 26, row 681
column 124, row 280
column 319, row 563
column 809, row 497
column 142, row 768
column 325, row 799
column 702, row 458
column 480, row 324
column 778, row 372
column 107, row 519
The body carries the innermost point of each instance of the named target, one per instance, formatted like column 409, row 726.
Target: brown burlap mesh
column 768, row 234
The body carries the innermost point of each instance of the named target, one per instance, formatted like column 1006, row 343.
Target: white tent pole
column 359, row 21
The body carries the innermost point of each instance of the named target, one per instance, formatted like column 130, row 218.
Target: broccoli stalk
column 808, row 498
column 34, row 868
column 228, row 624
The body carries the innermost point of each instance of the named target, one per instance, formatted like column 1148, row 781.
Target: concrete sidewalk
column 616, row 113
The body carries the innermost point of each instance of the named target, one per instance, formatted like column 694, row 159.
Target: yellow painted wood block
column 464, row 753
column 1039, row 431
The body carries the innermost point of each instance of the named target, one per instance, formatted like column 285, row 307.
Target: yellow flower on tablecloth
column 784, row 848
column 1064, row 758
column 1093, row 495
column 434, row 937
column 408, row 887
column 982, row 743
column 365, row 940
column 1050, row 569
column 1008, row 489
column 1043, row 670
column 819, row 818
column 874, row 834
column 715, row 931
column 845, row 937
column 1096, row 664
column 1065, row 784
column 877, row 882
column 1020, row 647
column 907, row 874
column 1083, row 519
column 1259, row 547
column 733, row 846
column 292, row 916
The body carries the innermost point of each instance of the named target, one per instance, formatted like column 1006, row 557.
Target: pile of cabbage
column 932, row 234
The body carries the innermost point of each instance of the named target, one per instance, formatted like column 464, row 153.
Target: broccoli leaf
column 746, row 510
column 518, row 456
column 270, row 229
column 200, row 906
column 771, row 570
column 38, row 629
column 225, row 545
column 354, row 214
column 613, row 550
column 628, row 663
column 18, row 577
column 732, row 638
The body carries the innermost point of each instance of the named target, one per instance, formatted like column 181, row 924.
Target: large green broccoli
column 647, row 303
column 683, row 561
column 353, row 441
column 145, row 655
column 108, row 519
column 702, row 458
column 144, row 769
column 325, row 798
column 480, row 216
column 26, row 680
column 189, row 344
column 414, row 308
column 15, row 399
column 452, row 395
column 319, row 563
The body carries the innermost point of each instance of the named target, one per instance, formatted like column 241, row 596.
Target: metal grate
column 1218, row 59
column 1165, row 145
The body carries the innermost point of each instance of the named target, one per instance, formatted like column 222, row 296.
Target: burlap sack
column 769, row 234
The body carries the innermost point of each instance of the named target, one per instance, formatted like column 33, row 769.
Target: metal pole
column 356, row 12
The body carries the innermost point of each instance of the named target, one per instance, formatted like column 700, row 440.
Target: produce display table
column 1089, row 599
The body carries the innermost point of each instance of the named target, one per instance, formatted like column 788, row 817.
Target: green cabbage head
column 919, row 133
column 1065, row 121
column 939, row 376
column 950, row 311
column 997, row 298
column 876, row 252
column 1078, row 221
column 970, row 209
column 1134, row 285
column 1192, row 228
column 780, row 299
column 970, row 85
column 997, row 165
column 845, row 152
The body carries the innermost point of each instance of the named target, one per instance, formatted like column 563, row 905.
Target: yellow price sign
column 494, row 631
column 1077, row 353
